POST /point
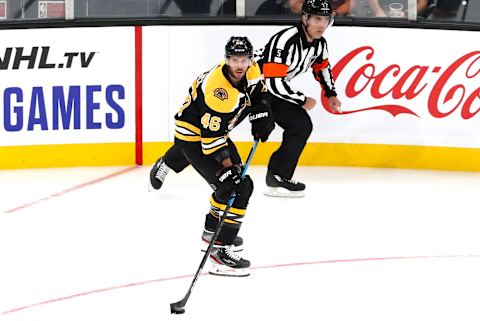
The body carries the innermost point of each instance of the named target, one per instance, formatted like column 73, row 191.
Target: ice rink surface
column 364, row 244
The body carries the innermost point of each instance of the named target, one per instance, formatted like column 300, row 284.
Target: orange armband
column 274, row 70
column 320, row 66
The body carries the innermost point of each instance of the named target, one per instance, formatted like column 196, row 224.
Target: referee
column 289, row 53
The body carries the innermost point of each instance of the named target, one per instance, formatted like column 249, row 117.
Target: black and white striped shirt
column 287, row 55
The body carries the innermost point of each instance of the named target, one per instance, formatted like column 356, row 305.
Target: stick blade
column 177, row 308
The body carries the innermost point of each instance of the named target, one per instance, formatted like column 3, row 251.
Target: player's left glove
column 262, row 122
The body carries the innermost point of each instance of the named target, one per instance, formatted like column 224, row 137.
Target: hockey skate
column 207, row 235
column 158, row 172
column 228, row 263
column 278, row 186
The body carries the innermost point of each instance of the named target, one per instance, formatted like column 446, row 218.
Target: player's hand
column 262, row 122
column 335, row 105
column 309, row 103
column 230, row 178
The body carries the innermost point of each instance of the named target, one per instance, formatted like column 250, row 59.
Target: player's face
column 316, row 25
column 238, row 66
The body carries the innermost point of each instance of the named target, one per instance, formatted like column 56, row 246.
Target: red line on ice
column 68, row 190
column 29, row 306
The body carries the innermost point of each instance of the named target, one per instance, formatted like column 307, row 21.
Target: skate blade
column 282, row 192
column 205, row 246
column 222, row 270
column 150, row 187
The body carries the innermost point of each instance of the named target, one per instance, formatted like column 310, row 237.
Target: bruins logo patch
column 220, row 93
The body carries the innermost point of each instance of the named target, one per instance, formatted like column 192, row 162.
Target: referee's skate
column 278, row 186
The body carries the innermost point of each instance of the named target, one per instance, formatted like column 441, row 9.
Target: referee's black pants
column 297, row 127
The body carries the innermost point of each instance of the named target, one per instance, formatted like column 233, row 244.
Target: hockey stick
column 179, row 307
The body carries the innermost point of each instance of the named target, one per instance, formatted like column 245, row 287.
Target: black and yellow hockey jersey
column 214, row 106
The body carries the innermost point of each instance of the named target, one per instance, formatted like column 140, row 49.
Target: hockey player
column 217, row 101
column 287, row 54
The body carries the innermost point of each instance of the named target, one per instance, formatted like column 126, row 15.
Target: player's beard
column 237, row 73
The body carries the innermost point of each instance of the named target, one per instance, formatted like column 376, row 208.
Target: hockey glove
column 262, row 123
column 230, row 179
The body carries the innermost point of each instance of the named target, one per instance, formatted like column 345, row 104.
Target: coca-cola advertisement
column 397, row 86
column 422, row 90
